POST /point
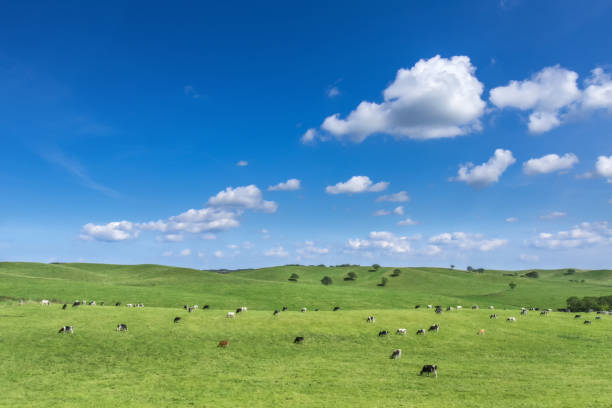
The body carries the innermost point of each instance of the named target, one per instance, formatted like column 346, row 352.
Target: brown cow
column 223, row 343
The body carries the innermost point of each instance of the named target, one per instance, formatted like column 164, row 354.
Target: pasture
column 537, row 361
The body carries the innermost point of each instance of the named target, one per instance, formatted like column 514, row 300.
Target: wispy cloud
column 74, row 167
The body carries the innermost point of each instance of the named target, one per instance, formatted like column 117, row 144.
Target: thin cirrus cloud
column 552, row 96
column 399, row 197
column 289, row 185
column 487, row 173
column 407, row 222
column 549, row 163
column 357, row 185
column 553, row 215
column 223, row 213
column 436, row 98
column 242, row 163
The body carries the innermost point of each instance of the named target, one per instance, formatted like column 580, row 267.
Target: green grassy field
column 553, row 361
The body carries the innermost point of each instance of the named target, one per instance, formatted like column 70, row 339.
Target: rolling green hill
column 269, row 288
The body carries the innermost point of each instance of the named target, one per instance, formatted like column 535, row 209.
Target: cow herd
column 396, row 354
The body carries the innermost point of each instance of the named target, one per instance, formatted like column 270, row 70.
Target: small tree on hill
column 396, row 272
column 570, row 272
column 512, row 285
column 452, row 266
column 294, row 277
column 375, row 266
column 469, row 269
column 383, row 282
column 326, row 280
column 532, row 274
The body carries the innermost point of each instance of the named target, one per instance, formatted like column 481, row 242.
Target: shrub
column 375, row 266
column 326, row 280
column 512, row 285
column 532, row 274
column 587, row 303
column 294, row 277
column 570, row 272
column 383, row 282
column 396, row 272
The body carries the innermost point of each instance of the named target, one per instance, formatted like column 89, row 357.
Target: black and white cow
column 401, row 331
column 397, row 354
column 298, row 340
column 76, row 303
column 336, row 308
column 276, row 312
column 122, row 327
column 64, row 307
column 285, row 308
column 66, row 329
column 430, row 369
column 577, row 317
column 587, row 322
column 421, row 331
column 206, row 307
column 177, row 319
column 434, row 327
column 493, row 316
column 511, row 319
column 371, row 319
column 383, row 333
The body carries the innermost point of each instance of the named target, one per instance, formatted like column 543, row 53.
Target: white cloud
column 380, row 213
column 465, row 241
column 276, row 251
column 185, row 252
column 209, row 236
column 333, row 91
column 289, row 185
column 249, row 197
column 113, row 231
column 172, row 238
column 399, row 210
column 355, row 185
column 219, row 254
column 201, row 254
column 511, row 219
column 384, row 240
column 398, row 197
column 167, row 253
column 265, row 234
column 309, row 249
column 194, row 221
column 598, row 93
column 487, row 173
column 529, row 258
column 553, row 215
column 309, row 136
column 549, row 163
column 242, row 163
column 431, row 250
column 583, row 235
column 407, row 222
column 191, row 91
column 548, row 94
column 603, row 167
column 436, row 98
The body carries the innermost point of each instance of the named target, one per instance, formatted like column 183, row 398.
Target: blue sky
column 466, row 133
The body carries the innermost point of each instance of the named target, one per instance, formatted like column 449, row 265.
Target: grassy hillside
column 269, row 288
column 553, row 361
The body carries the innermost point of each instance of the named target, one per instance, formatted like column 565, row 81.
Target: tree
column 326, row 280
column 570, row 272
column 383, row 282
column 469, row 269
column 375, row 266
column 512, row 285
column 294, row 277
column 452, row 266
column 351, row 276
column 532, row 274
column 396, row 272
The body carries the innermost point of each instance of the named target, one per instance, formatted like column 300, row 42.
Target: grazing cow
column 511, row 319
column 523, row 312
column 45, row 302
column 439, row 310
column 230, row 315
column 429, row 306
column 303, row 309
column 491, row 307
column 92, row 303
column 101, row 303
column 20, row 302
column 371, row 319
column 177, row 319
column 239, row 310
column 401, row 331
column 195, row 307
column 130, row 305
column 493, row 316
column 243, row 309
column 417, row 306
column 276, row 312
column 122, row 327
column 475, row 307
column 206, row 307
column 577, row 317
column 421, row 331
column 66, row 329
column 285, row 308
column 481, row 332
column 543, row 312
column 396, row 355
column 459, row 307
column 118, row 304
column 317, row 309
column 383, row 333
column 597, row 317
column 223, row 343
column 76, row 303
column 298, row 340
column 336, row 308
column 430, row 369
column 190, row 310
column 185, row 307
column 64, row 307
column 587, row 322
column 435, row 327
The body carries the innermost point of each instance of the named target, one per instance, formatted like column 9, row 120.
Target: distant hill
column 270, row 288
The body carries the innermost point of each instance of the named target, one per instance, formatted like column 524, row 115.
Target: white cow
column 243, row 309
column 195, row 307
column 304, row 309
column 45, row 302
column 459, row 307
column 511, row 319
column 401, row 331
column 230, row 315
column 130, row 305
column 491, row 307
column 429, row 306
